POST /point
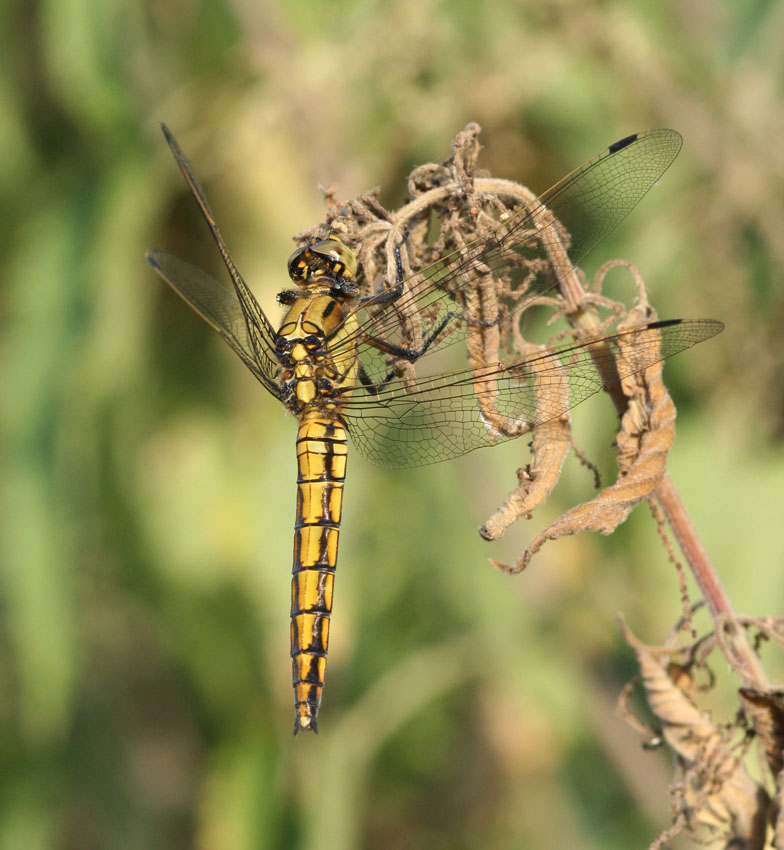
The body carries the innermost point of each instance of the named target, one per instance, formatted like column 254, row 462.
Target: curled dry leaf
column 646, row 434
column 549, row 446
column 713, row 790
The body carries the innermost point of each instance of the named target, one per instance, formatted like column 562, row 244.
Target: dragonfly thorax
column 311, row 374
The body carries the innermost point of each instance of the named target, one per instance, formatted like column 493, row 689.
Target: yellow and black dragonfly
column 332, row 360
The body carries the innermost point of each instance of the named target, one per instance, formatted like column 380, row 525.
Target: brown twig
column 694, row 552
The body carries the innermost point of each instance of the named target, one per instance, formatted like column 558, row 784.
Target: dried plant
column 713, row 795
column 452, row 204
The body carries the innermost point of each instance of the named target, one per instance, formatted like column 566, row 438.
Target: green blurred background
column 147, row 484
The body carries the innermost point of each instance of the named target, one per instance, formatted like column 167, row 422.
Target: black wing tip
column 167, row 133
column 623, row 143
column 672, row 135
column 715, row 325
column 665, row 323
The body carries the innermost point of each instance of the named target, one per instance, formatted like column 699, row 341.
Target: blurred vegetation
column 147, row 488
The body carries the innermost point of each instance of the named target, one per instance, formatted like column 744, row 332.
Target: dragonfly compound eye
column 300, row 264
column 329, row 259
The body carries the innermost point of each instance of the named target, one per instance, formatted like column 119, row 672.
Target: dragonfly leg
column 388, row 296
column 409, row 354
column 288, row 296
column 413, row 354
column 368, row 385
column 398, row 258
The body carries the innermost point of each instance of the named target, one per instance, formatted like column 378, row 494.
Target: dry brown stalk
column 452, row 205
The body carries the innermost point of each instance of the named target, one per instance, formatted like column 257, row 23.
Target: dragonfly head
column 328, row 263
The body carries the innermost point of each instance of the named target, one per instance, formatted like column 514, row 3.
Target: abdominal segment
column 321, row 463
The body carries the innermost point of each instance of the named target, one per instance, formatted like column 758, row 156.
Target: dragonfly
column 330, row 361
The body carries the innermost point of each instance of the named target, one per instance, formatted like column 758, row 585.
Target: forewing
column 442, row 417
column 219, row 306
column 587, row 204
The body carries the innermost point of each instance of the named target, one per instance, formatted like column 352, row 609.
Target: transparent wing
column 220, row 308
column 453, row 413
column 587, row 205
column 210, row 299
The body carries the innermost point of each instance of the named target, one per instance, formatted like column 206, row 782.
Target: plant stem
column 745, row 661
column 735, row 641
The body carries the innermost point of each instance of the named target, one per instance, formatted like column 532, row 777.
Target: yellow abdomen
column 321, row 465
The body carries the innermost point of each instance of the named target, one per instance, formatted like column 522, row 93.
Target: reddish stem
column 735, row 641
column 745, row 660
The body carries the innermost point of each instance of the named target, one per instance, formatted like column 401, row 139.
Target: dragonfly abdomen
column 321, row 464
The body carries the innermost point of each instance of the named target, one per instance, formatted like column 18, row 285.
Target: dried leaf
column 713, row 789
column 549, row 447
column 646, row 434
column 766, row 710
